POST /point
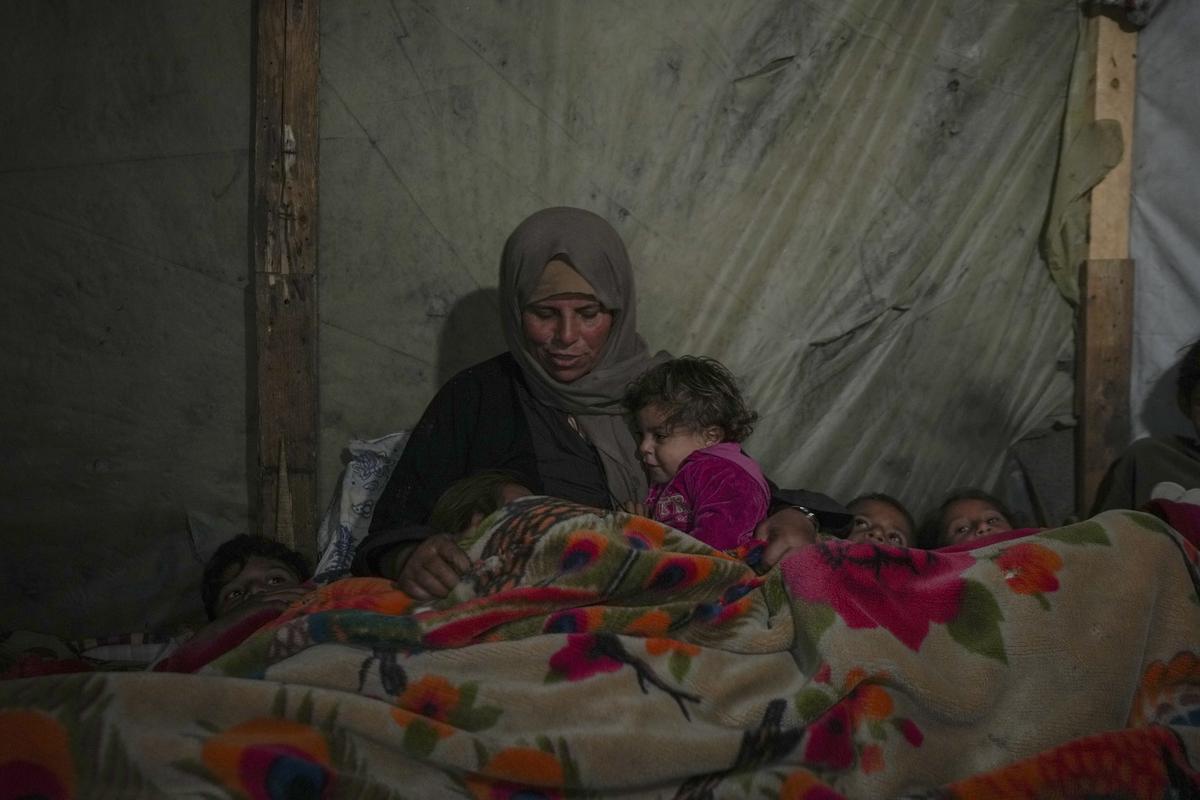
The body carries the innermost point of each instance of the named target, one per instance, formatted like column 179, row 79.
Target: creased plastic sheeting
column 840, row 200
column 1088, row 150
column 1164, row 225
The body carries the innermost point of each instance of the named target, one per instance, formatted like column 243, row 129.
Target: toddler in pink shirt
column 690, row 418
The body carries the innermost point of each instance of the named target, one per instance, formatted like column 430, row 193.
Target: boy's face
column 256, row 576
column 967, row 519
column 662, row 449
column 879, row 522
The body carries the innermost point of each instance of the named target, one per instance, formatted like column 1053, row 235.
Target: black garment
column 1145, row 464
column 483, row 418
column 832, row 515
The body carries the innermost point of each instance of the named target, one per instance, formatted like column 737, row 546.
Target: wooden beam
column 285, row 269
column 1111, row 92
column 1106, row 325
column 1105, row 333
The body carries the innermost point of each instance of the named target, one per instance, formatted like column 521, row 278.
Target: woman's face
column 566, row 334
column 966, row 519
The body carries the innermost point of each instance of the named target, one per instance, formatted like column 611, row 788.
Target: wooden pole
column 1105, row 337
column 285, row 268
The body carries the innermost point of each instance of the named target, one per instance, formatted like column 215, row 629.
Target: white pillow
column 348, row 519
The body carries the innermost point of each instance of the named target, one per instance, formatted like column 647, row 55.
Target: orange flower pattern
column 432, row 709
column 1169, row 693
column 1030, row 568
column 35, row 757
column 271, row 759
column 634, row 626
column 519, row 772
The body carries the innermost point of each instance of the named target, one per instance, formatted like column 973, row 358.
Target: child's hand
column 634, row 507
column 784, row 531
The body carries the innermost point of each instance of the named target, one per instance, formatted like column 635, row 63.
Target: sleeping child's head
column 245, row 566
column 684, row 405
column 966, row 514
column 881, row 519
column 468, row 501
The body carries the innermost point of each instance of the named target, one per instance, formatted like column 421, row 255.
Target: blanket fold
column 593, row 654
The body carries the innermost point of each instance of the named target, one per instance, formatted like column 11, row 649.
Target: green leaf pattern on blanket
column 618, row 658
column 812, row 620
column 1087, row 532
column 977, row 626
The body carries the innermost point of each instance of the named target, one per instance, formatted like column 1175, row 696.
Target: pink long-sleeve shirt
column 718, row 496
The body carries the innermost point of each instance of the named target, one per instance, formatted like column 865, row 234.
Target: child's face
column 967, row 519
column 662, row 449
column 879, row 522
column 256, row 576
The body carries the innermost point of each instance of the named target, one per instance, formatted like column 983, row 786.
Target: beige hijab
column 589, row 244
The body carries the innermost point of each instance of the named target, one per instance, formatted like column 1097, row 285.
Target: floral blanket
column 591, row 655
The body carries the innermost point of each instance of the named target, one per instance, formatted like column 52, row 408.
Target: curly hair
column 694, row 393
column 237, row 551
column 1189, row 378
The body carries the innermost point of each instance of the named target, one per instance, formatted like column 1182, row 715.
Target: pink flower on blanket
column 582, row 657
column 831, row 740
column 911, row 733
column 870, row 586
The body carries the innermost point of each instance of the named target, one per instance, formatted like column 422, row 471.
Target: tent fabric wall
column 840, row 200
column 1164, row 236
column 124, row 245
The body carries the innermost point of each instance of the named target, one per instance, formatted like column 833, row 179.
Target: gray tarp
column 841, row 200
column 1165, row 223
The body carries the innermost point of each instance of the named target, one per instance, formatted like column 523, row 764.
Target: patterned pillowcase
column 348, row 518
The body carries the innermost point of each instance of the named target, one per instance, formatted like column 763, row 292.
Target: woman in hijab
column 549, row 410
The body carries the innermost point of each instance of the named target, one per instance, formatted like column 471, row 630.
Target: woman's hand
column 430, row 569
column 784, row 531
